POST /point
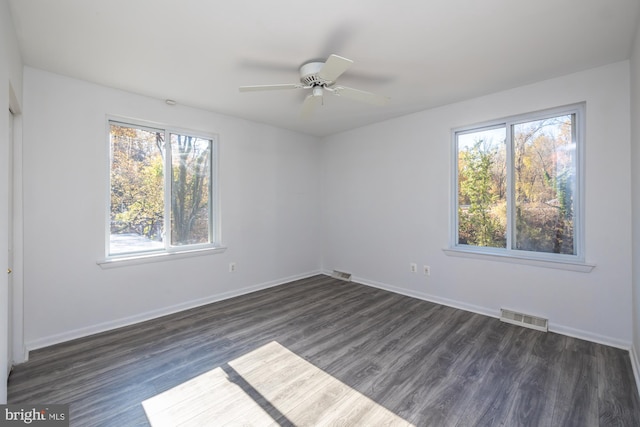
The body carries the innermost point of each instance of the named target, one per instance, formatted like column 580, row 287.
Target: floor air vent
column 515, row 318
column 341, row 275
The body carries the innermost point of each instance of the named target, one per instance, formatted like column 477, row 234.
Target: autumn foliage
column 542, row 193
column 138, row 205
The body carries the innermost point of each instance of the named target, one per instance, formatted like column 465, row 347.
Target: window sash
column 169, row 191
column 213, row 229
column 578, row 122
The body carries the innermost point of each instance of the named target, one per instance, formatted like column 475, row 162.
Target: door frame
column 9, row 295
column 12, row 344
column 19, row 353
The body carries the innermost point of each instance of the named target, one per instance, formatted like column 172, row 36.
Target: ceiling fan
column 321, row 77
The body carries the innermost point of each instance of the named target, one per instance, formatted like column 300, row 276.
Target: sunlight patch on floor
column 263, row 387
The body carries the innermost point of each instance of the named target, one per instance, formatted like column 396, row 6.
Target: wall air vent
column 341, row 275
column 526, row 320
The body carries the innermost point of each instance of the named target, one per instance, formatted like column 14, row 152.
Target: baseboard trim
column 560, row 329
column 635, row 365
column 149, row 315
column 428, row 297
column 590, row 336
column 127, row 321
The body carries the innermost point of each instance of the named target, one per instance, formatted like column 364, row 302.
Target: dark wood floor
column 391, row 358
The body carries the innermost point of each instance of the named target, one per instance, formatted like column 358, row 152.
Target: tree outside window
column 161, row 185
column 517, row 184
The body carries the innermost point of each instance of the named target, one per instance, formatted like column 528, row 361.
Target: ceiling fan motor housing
column 309, row 75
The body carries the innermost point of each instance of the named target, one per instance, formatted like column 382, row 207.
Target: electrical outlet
column 427, row 270
column 232, row 267
column 413, row 267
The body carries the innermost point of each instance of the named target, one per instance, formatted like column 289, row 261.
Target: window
column 518, row 183
column 162, row 190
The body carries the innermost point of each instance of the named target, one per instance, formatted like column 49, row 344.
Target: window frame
column 510, row 253
column 169, row 251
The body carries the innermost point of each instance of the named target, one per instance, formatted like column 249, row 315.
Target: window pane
column 482, row 188
column 545, row 184
column 190, row 190
column 137, row 198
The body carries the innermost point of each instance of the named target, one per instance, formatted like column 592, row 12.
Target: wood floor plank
column 536, row 392
column 576, row 400
column 445, row 400
column 320, row 351
column 616, row 406
column 493, row 397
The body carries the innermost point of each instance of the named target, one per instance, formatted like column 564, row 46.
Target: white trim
column 215, row 211
column 579, row 110
column 635, row 365
column 427, row 297
column 167, row 172
column 19, row 353
column 509, row 257
column 107, row 187
column 153, row 314
column 511, row 188
column 589, row 336
column 148, row 257
column 495, row 313
column 215, row 244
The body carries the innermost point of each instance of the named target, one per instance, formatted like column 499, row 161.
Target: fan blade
column 360, row 95
column 311, row 102
column 333, row 67
column 270, row 87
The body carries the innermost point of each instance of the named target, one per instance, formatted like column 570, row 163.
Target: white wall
column 386, row 203
column 12, row 60
column 635, row 185
column 269, row 195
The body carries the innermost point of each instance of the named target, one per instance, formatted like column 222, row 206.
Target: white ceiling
column 421, row 54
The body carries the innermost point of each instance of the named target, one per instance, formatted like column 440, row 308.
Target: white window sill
column 136, row 259
column 509, row 258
